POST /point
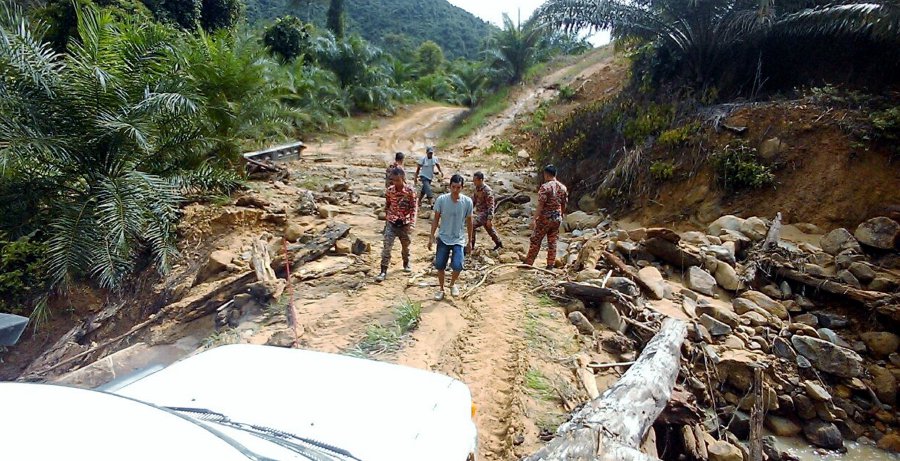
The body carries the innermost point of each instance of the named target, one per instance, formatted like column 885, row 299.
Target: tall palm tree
column 705, row 34
column 512, row 50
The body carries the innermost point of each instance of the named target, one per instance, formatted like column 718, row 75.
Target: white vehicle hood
column 374, row 410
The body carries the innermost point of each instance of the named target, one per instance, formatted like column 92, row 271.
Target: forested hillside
column 391, row 24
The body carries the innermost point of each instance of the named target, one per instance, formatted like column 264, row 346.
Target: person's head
column 398, row 157
column 398, row 177
column 429, row 151
column 456, row 185
column 549, row 172
column 478, row 179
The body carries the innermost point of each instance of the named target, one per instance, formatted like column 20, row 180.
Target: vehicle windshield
column 308, row 448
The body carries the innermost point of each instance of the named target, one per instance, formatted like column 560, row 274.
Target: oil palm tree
column 513, row 49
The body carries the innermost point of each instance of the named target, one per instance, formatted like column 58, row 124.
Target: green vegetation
column 662, row 171
column 386, row 338
column 21, row 274
column 395, row 25
column 539, row 385
column 492, row 105
column 513, row 50
column 677, row 137
column 285, row 37
column 738, row 167
column 501, row 146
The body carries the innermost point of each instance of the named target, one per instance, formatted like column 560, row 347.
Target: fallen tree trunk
column 611, row 427
column 671, row 253
column 592, row 293
column 628, row 270
column 830, row 286
column 518, row 198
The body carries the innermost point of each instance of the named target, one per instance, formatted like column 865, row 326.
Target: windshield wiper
column 310, row 448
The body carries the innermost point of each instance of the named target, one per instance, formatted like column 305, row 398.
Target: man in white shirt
column 453, row 216
column 425, row 172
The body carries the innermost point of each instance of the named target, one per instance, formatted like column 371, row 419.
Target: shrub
column 887, row 124
column 662, row 171
column 737, row 167
column 678, row 136
column 21, row 274
column 501, row 146
column 567, row 93
column 286, row 37
column 654, row 119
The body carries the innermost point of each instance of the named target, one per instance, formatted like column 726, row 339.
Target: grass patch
column 501, row 146
column 539, row 385
column 475, row 118
column 382, row 339
column 357, row 125
column 312, row 182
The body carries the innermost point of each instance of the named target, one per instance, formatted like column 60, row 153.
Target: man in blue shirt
column 425, row 172
column 453, row 216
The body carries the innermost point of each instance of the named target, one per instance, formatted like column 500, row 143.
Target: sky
column 492, row 11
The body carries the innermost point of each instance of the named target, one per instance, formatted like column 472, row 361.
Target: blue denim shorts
column 444, row 252
column 426, row 186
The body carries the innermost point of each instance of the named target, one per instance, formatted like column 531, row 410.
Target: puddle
column 855, row 451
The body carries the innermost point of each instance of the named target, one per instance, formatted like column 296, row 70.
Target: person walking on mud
column 551, row 208
column 453, row 216
column 398, row 163
column 484, row 210
column 400, row 220
column 425, row 172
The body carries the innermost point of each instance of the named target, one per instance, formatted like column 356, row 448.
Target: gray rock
column 862, row 271
column 589, row 274
column 807, row 319
column 611, row 317
column 839, row 240
column 727, row 277
column 581, row 220
column 217, row 262
column 768, row 304
column 849, row 279
column 881, row 343
column 697, row 238
column 771, row 290
column 755, row 228
column 828, row 357
column 658, row 286
column 588, row 204
column 721, row 253
column 883, row 285
column 715, row 327
column 832, row 337
column 814, row 269
column 824, row 435
column 700, row 281
column 880, row 232
column 816, row 392
column 327, row 211
column 622, row 285
column 846, row 258
column 829, row 320
column 581, row 323
column 755, row 319
column 306, row 203
column 281, row 338
column 770, row 148
column 689, row 306
column 728, row 222
column 719, row 313
column 804, row 407
column 786, row 292
column 782, row 348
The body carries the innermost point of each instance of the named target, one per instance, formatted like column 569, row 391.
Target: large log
column 611, row 427
column 592, row 293
column 627, row 270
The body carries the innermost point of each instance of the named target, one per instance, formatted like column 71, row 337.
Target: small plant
column 654, row 119
column 886, row 124
column 662, row 171
column 386, row 338
column 537, row 117
column 501, row 146
column 677, row 137
column 567, row 93
column 738, row 168
column 539, row 384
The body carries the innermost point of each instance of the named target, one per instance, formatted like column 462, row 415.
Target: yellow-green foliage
column 501, row 146
column 738, row 167
column 677, row 137
column 662, row 171
column 655, row 118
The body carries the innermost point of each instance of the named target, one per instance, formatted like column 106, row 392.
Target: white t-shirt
column 426, row 165
column 452, row 230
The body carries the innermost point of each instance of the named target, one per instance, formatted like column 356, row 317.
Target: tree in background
column 429, row 57
column 286, row 37
column 335, row 18
column 184, row 13
column 220, row 14
column 514, row 49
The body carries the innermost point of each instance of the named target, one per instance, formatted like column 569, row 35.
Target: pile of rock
column 830, row 365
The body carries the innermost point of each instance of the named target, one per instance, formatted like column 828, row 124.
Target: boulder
column 622, row 285
column 782, row 427
column 720, row 313
column 766, row 303
column 862, row 271
column 715, row 327
column 581, row 220
column 611, row 317
column 846, row 258
column 728, row 222
column 700, row 281
column 849, row 279
column 327, row 211
column 880, row 232
column 824, row 435
column 882, row 284
column 755, row 228
column 360, row 246
column 839, row 240
column 589, row 274
column 884, row 384
column 755, row 319
column 782, row 348
column 881, row 343
column 727, row 277
column 828, row 357
column 582, row 323
column 217, row 262
column 588, row 204
column 696, row 238
column 651, row 277
column 721, row 450
column 829, row 335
